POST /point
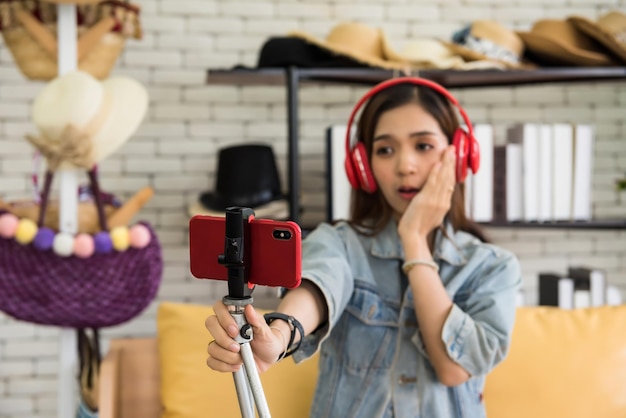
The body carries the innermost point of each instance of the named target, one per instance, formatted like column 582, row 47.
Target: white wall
column 188, row 121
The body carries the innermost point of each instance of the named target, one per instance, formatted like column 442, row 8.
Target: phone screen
column 272, row 250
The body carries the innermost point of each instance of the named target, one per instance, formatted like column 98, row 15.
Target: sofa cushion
column 562, row 363
column 190, row 389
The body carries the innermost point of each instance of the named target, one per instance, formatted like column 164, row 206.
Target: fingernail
column 232, row 331
column 234, row 348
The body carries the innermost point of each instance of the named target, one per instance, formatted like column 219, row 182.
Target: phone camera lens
column 282, row 234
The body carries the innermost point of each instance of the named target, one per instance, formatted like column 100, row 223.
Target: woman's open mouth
column 408, row 193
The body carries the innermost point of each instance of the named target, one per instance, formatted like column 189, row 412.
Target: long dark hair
column 371, row 212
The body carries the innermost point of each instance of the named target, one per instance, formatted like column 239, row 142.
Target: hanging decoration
column 109, row 272
column 29, row 29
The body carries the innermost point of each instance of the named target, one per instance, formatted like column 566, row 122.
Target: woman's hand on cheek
column 429, row 207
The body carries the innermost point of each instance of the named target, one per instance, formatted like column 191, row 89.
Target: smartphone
column 272, row 250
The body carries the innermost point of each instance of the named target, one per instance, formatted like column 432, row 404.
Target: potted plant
column 620, row 187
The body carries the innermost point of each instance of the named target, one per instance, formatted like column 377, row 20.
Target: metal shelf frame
column 293, row 77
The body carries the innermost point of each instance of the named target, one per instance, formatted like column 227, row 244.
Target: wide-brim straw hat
column 426, row 53
column 559, row 42
column 357, row 41
column 73, row 1
column 430, row 53
column 609, row 30
column 489, row 40
column 106, row 112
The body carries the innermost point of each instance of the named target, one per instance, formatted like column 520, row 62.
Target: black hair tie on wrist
column 294, row 325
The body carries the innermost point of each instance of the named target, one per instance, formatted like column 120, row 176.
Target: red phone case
column 271, row 261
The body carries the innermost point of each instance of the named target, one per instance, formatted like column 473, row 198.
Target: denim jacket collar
column 387, row 244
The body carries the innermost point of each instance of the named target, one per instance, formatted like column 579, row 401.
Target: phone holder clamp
column 247, row 382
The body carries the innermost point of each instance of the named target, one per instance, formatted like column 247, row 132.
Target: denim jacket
column 373, row 362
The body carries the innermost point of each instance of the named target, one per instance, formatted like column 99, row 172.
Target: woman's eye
column 424, row 146
column 383, row 151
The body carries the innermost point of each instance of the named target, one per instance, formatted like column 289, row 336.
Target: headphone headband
column 408, row 80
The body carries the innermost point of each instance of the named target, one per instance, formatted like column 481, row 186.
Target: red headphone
column 357, row 166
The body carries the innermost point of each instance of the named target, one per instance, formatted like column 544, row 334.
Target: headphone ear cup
column 474, row 155
column 362, row 171
column 351, row 171
column 460, row 141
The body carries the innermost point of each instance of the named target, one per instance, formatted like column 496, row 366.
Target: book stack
column 548, row 171
column 542, row 173
column 579, row 287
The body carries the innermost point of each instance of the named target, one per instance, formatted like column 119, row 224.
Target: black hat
column 246, row 176
column 284, row 51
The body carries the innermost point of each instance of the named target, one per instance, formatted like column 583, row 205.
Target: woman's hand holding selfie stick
column 247, row 382
column 237, row 327
column 268, row 345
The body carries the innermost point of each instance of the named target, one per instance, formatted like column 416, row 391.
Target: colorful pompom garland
column 83, row 245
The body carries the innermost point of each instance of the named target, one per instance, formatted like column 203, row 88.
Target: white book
column 597, row 288
column 613, row 296
column 582, row 299
column 545, row 173
column 562, row 178
column 566, row 293
column 469, row 195
column 583, row 171
column 530, row 171
column 514, row 185
column 591, row 280
column 482, row 181
column 338, row 186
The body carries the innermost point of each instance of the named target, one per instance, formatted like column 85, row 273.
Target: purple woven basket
column 100, row 291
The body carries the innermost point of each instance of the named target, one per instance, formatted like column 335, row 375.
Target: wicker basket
column 105, row 289
column 29, row 30
column 101, row 291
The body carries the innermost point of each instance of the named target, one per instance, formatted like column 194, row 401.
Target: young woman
column 409, row 305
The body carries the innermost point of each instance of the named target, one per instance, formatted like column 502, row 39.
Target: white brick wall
column 175, row 148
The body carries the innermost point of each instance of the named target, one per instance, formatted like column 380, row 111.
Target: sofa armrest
column 130, row 380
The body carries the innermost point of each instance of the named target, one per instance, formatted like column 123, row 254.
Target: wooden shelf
column 586, row 225
column 447, row 78
column 593, row 224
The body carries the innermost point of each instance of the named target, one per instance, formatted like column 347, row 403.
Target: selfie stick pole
column 247, row 381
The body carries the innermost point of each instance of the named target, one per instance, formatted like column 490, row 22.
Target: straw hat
column 609, row 30
column 488, row 40
column 357, row 41
column 82, row 120
column 432, row 53
column 559, row 42
column 73, row 1
column 426, row 53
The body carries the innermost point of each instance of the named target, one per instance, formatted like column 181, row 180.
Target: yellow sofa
column 569, row 364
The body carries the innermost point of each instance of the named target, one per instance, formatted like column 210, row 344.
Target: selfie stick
column 247, row 381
